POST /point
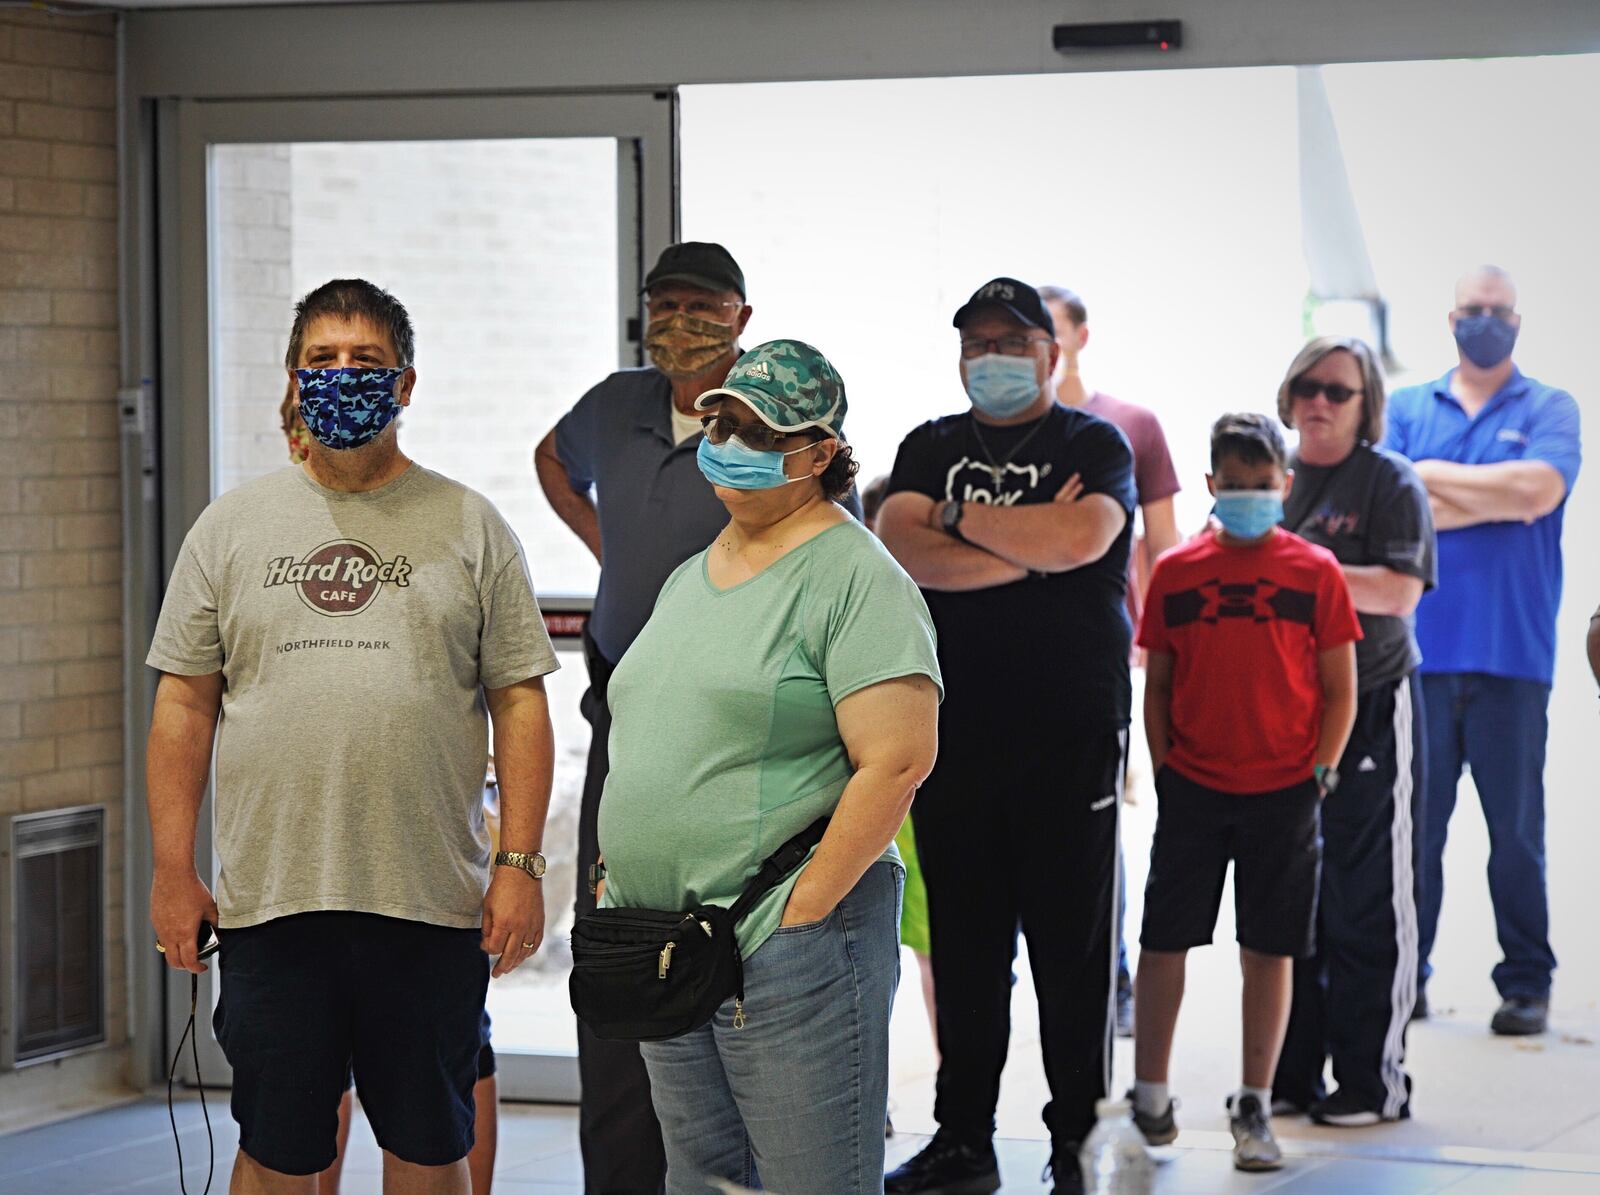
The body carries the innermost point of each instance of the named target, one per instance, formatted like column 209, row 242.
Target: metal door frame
column 167, row 415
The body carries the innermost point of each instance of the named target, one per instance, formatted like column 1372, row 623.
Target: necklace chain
column 997, row 468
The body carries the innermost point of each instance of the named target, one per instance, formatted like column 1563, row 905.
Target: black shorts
column 310, row 998
column 486, row 1059
column 1274, row 840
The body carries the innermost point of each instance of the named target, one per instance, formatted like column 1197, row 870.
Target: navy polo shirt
column 1499, row 583
column 656, row 507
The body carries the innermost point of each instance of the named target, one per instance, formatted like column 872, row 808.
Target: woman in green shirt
column 787, row 673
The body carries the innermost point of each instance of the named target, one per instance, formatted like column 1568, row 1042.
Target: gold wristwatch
column 532, row 864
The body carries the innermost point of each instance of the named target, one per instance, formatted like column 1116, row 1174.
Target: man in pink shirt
column 1156, row 482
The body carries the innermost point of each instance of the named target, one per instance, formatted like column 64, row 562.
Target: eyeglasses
column 1309, row 388
column 1008, row 346
column 719, row 428
column 1473, row 310
column 699, row 308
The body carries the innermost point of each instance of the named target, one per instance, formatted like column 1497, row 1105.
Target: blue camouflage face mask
column 347, row 407
column 1485, row 340
column 734, row 465
column 1002, row 386
column 1249, row 514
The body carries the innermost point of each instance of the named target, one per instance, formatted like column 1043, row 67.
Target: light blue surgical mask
column 1002, row 386
column 1249, row 514
column 734, row 465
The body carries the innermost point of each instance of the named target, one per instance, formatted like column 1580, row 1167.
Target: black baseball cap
column 1016, row 298
column 698, row 263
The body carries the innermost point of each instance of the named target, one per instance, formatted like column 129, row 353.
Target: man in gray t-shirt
column 345, row 630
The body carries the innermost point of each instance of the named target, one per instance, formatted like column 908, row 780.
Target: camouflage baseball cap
column 788, row 384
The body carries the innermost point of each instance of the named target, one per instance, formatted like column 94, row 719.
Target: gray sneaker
column 1254, row 1146
column 1158, row 1128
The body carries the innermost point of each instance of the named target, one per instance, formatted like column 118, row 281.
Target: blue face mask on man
column 734, row 465
column 1249, row 514
column 1485, row 340
column 1002, row 386
column 348, row 406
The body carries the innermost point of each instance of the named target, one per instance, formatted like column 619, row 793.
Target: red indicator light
column 1165, row 46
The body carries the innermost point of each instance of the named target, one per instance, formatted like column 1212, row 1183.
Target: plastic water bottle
column 1114, row 1159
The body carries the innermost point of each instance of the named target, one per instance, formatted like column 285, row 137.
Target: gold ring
column 529, row 945
column 160, row 948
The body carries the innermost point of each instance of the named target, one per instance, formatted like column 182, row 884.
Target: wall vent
column 52, row 958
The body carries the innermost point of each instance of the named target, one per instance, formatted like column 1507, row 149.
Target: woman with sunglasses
column 1352, row 1001
column 787, row 673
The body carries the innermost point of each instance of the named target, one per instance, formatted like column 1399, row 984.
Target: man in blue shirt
column 619, row 469
column 1498, row 453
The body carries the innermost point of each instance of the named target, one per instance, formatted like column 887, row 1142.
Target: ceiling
column 217, row 3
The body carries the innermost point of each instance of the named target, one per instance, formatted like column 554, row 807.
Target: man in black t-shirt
column 1015, row 519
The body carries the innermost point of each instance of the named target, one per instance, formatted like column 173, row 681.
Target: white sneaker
column 1254, row 1146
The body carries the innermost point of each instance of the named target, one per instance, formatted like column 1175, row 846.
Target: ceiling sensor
column 1118, row 35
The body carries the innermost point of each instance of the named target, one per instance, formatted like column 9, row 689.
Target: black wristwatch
column 950, row 519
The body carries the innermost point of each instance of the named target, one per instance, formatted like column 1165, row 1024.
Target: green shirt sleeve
column 868, row 622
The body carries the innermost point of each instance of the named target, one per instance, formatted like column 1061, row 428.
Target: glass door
column 516, row 230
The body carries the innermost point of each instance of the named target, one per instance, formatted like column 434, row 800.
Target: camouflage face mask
column 683, row 345
column 348, row 407
column 299, row 443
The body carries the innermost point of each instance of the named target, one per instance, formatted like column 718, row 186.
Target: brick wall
column 254, row 304
column 60, row 526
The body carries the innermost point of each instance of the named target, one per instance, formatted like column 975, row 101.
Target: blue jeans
column 797, row 1098
column 1497, row 726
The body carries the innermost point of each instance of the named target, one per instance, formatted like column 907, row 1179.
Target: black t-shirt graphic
column 1048, row 653
column 1370, row 508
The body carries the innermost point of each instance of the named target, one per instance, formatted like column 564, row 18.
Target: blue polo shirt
column 656, row 508
column 1499, row 583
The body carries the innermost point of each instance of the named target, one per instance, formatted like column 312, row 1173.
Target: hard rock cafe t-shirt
column 355, row 633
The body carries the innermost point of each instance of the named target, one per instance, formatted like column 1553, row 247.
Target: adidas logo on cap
column 759, row 369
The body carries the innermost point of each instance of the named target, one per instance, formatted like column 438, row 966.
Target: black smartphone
column 206, row 939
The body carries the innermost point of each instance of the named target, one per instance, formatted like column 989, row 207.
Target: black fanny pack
column 649, row 975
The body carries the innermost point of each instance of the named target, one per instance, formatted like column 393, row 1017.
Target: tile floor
column 1492, row 1116
column 130, row 1149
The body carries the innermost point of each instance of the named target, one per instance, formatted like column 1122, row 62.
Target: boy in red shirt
column 1250, row 695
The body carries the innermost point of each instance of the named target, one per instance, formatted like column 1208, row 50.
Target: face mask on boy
column 1249, row 514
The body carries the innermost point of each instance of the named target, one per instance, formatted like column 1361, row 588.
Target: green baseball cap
column 788, row 384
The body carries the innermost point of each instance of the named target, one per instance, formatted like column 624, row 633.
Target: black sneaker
column 1064, row 1168
column 1157, row 1128
column 1419, row 1010
column 1124, row 1005
column 946, row 1166
column 1520, row 1016
column 1343, row 1110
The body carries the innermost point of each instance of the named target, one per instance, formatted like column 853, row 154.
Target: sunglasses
column 1473, row 310
column 719, row 428
column 1308, row 389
